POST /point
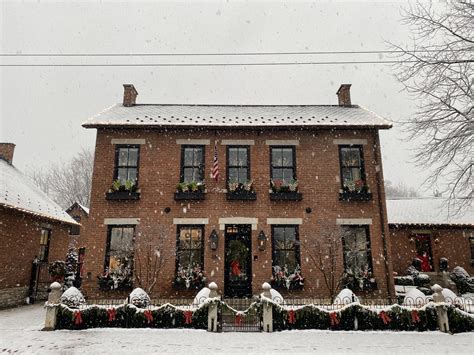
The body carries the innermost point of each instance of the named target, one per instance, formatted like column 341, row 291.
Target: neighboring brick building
column 422, row 227
column 80, row 214
column 245, row 237
column 31, row 226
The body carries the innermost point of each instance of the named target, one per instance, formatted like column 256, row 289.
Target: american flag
column 215, row 164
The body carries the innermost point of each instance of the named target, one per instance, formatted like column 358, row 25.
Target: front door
column 238, row 262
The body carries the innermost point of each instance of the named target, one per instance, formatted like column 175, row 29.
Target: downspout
column 378, row 175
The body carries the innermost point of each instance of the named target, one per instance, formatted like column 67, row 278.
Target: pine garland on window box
column 284, row 191
column 123, row 191
column 241, row 191
column 355, row 191
column 190, row 191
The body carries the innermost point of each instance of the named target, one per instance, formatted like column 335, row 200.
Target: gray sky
column 42, row 108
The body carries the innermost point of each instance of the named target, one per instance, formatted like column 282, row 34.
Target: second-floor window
column 238, row 165
column 45, row 239
column 352, row 168
column 192, row 164
column 283, row 165
column 126, row 163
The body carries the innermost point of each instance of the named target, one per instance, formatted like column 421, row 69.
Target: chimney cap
column 130, row 87
column 343, row 87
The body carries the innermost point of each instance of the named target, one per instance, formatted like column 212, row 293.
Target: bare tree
column 326, row 255
column 438, row 72
column 150, row 256
column 399, row 191
column 68, row 182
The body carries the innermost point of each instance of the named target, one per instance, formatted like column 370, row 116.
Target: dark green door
column 238, row 262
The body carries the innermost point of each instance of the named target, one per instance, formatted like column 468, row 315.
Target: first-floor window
column 45, row 239
column 119, row 255
column 357, row 255
column 286, row 251
column 190, row 255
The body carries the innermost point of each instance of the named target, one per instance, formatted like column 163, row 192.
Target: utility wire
column 204, row 64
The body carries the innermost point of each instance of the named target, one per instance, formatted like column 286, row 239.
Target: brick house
column 422, row 227
column 288, row 177
column 32, row 227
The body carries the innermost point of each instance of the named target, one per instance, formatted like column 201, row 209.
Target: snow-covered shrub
column 404, row 280
column 139, row 298
column 443, row 264
column 346, row 296
column 72, row 298
column 415, row 297
column 422, row 280
column 464, row 282
column 201, row 296
column 449, row 296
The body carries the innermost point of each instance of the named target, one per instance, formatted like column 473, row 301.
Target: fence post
column 267, row 309
column 442, row 313
column 212, row 310
column 52, row 306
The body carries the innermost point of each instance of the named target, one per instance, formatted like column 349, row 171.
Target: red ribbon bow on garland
column 415, row 318
column 291, row 316
column 238, row 319
column 148, row 316
column 112, row 312
column 385, row 318
column 77, row 317
column 333, row 318
column 188, row 317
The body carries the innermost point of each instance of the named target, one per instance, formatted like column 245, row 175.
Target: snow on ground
column 20, row 332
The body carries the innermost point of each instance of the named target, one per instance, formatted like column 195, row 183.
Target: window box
column 122, row 195
column 355, row 196
column 286, row 196
column 242, row 195
column 189, row 195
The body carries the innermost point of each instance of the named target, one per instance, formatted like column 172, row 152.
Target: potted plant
column 357, row 190
column 284, row 190
column 241, row 191
column 127, row 190
column 282, row 278
column 193, row 190
column 57, row 270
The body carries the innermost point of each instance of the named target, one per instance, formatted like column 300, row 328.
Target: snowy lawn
column 20, row 332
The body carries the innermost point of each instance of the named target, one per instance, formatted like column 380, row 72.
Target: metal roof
column 237, row 116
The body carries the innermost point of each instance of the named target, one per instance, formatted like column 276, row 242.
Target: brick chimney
column 6, row 152
column 344, row 95
column 129, row 95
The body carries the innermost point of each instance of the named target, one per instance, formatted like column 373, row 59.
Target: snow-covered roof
column 82, row 207
column 237, row 116
column 19, row 192
column 426, row 211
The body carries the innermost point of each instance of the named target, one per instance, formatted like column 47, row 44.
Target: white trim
column 282, row 142
column 237, row 142
column 190, row 220
column 194, row 141
column 238, row 220
column 350, row 141
column 127, row 141
column 284, row 220
column 121, row 221
column 354, row 221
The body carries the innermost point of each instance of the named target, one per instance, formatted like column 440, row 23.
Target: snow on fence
column 266, row 312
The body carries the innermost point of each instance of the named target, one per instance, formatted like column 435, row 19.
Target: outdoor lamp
column 213, row 239
column 262, row 241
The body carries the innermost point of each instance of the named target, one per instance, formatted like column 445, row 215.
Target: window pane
column 242, row 175
column 279, row 237
column 287, row 175
column 350, row 157
column 356, row 174
column 188, row 175
column 233, row 175
column 290, row 237
column 279, row 259
column 183, row 258
column 132, row 174
column 197, row 157
column 233, row 156
column 242, row 161
column 132, row 156
column 185, row 238
column 122, row 175
column 197, row 175
column 123, row 156
column 188, row 156
column 277, row 158
column 196, row 238
column 277, row 174
column 291, row 261
column 287, row 154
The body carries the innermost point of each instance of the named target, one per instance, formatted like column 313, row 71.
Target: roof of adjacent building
column 77, row 204
column 19, row 192
column 426, row 211
column 237, row 116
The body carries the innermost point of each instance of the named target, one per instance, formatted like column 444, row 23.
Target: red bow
column 291, row 316
column 333, row 318
column 148, row 316
column 112, row 312
column 238, row 319
column 77, row 318
column 385, row 318
column 415, row 318
column 188, row 317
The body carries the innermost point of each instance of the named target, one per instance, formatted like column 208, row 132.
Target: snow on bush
column 72, row 298
column 422, row 280
column 449, row 295
column 139, row 298
column 464, row 282
column 276, row 296
column 414, row 297
column 201, row 296
column 346, row 296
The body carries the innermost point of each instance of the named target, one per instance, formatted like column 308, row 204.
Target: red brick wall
column 20, row 236
column 318, row 171
column 452, row 244
column 75, row 240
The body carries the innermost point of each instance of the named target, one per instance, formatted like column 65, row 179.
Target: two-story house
column 183, row 195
